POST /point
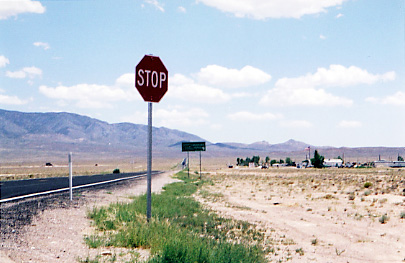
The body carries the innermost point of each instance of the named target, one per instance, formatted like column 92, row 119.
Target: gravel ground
column 16, row 215
column 50, row 227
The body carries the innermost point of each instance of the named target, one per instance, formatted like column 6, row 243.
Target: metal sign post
column 193, row 147
column 151, row 80
column 188, row 164
column 70, row 177
column 149, row 164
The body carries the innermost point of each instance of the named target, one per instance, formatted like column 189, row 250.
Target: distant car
column 48, row 164
column 265, row 167
column 349, row 165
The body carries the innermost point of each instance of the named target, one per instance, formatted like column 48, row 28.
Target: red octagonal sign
column 151, row 78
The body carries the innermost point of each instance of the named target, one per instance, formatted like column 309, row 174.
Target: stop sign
column 151, row 78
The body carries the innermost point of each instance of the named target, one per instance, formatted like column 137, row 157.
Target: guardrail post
column 70, row 177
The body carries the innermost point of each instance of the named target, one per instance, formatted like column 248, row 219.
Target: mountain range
column 38, row 135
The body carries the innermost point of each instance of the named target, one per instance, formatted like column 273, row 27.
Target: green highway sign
column 193, row 147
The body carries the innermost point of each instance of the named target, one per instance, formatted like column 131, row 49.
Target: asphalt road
column 11, row 189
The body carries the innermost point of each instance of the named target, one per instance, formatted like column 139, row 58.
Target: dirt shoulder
column 52, row 229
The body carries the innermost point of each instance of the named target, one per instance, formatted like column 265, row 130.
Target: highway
column 17, row 189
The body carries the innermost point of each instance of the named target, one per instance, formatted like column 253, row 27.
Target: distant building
column 394, row 164
column 332, row 162
column 397, row 164
column 382, row 163
column 279, row 165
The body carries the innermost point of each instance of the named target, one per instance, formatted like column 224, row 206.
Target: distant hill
column 38, row 135
column 35, row 133
column 264, row 146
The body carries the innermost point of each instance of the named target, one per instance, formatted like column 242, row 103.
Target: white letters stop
column 153, row 78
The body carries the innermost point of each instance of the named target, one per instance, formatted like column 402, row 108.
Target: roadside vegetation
column 180, row 229
column 316, row 162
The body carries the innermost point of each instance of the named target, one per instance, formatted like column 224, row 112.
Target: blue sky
column 324, row 72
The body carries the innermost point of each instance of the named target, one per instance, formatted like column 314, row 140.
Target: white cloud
column 232, row 78
column 349, row 124
column 97, row 96
column 207, row 85
column 92, row 95
column 137, row 117
column 262, row 9
column 27, row 72
column 9, row 8
column 16, row 75
column 397, row 99
column 173, row 117
column 4, row 61
column 249, row 116
column 322, row 37
column 336, row 76
column 43, row 45
column 216, row 127
column 126, row 80
column 83, row 90
column 156, row 4
column 296, row 124
column 304, row 90
column 181, row 117
column 187, row 89
column 182, row 9
column 32, row 71
column 339, row 15
column 302, row 97
column 244, row 95
column 11, row 100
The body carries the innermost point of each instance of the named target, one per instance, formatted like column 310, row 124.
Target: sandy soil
column 57, row 235
column 317, row 216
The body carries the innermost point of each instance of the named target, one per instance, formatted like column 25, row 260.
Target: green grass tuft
column 384, row 219
column 180, row 229
column 367, row 184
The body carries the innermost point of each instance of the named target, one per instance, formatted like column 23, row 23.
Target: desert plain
column 305, row 215
column 318, row 215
